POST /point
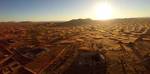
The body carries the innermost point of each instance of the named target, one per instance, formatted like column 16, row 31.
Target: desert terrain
column 79, row 46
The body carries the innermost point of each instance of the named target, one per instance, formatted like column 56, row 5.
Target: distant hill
column 75, row 22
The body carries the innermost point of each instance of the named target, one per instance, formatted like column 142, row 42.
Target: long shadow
column 88, row 62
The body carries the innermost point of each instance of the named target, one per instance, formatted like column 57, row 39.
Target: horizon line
column 77, row 18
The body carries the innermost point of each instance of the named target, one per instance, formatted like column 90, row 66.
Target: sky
column 61, row 10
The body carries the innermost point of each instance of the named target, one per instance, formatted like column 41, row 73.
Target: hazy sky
column 53, row 10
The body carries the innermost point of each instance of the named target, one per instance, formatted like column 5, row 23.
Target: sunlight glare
column 103, row 11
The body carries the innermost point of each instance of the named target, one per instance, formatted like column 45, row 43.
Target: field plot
column 81, row 46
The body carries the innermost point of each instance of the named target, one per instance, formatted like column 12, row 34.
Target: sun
column 103, row 11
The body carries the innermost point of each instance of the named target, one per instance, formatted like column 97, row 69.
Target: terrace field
column 65, row 47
